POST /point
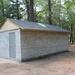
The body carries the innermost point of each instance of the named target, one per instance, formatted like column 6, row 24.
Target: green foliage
column 8, row 9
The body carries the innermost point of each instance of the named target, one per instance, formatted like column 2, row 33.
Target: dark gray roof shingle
column 37, row 26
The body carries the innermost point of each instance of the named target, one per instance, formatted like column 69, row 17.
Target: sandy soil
column 59, row 64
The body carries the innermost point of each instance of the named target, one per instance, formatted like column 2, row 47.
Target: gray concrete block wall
column 18, row 45
column 4, row 44
column 36, row 43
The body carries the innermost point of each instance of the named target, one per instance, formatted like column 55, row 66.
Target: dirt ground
column 59, row 64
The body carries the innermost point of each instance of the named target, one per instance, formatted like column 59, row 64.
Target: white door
column 12, row 45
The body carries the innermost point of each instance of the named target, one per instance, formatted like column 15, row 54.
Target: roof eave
column 45, row 30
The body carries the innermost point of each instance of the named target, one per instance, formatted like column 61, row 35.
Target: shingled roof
column 37, row 26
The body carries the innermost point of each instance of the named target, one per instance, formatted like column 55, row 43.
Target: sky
column 62, row 1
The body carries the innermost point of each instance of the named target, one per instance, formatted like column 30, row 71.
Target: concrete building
column 22, row 40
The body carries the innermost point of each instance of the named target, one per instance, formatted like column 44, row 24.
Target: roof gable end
column 8, row 25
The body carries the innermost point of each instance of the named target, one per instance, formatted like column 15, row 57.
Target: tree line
column 54, row 12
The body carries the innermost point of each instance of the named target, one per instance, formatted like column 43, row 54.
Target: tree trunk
column 49, row 7
column 17, row 6
column 27, row 6
column 59, row 13
column 74, row 33
column 32, row 10
column 71, row 36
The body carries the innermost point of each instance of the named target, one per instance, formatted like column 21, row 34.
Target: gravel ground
column 58, row 64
